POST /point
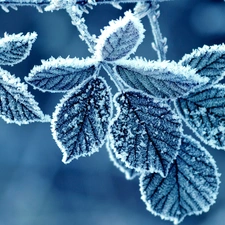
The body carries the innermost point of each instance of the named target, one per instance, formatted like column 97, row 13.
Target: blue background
column 36, row 188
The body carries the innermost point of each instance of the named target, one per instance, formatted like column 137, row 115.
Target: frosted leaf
column 204, row 113
column 145, row 134
column 15, row 48
column 190, row 187
column 17, row 105
column 60, row 75
column 159, row 79
column 120, row 39
column 129, row 173
column 209, row 61
column 80, row 121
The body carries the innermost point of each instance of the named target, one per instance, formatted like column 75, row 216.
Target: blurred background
column 36, row 188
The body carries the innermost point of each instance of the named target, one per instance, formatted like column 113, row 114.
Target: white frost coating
column 190, row 188
column 80, row 121
column 17, row 105
column 61, row 75
column 130, row 174
column 63, row 62
column 158, row 67
column 196, row 53
column 209, row 61
column 139, row 134
column 160, row 79
column 117, row 27
column 56, row 5
column 15, row 48
column 203, row 113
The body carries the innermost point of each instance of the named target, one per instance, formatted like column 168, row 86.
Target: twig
column 159, row 44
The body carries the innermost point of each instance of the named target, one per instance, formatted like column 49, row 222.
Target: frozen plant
column 145, row 138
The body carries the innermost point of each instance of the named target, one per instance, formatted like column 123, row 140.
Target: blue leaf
column 60, row 75
column 120, row 39
column 209, row 61
column 80, row 121
column 159, row 79
column 145, row 134
column 17, row 105
column 15, row 48
column 204, row 113
column 190, row 187
column 129, row 173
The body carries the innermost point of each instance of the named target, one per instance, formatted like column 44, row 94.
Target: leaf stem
column 113, row 76
column 159, row 44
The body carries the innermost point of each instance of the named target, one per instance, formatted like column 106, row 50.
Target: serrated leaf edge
column 192, row 129
column 118, row 111
column 201, row 51
column 10, row 79
column 174, row 220
column 70, row 62
column 29, row 37
column 114, row 25
column 54, row 120
column 170, row 66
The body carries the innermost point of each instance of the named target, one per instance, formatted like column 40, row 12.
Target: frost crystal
column 80, row 121
column 204, row 113
column 60, row 75
column 129, row 173
column 17, row 105
column 209, row 61
column 191, row 186
column 15, row 48
column 120, row 39
column 159, row 79
column 145, row 134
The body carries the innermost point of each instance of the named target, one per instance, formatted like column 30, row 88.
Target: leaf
column 191, row 186
column 17, row 105
column 120, row 39
column 209, row 61
column 15, row 48
column 129, row 173
column 81, row 119
column 60, row 75
column 145, row 134
column 204, row 113
column 159, row 79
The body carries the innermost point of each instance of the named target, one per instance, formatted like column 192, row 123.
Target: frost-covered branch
column 79, row 22
column 159, row 44
column 39, row 4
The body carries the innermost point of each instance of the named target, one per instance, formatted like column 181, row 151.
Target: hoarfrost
column 120, row 39
column 190, row 187
column 82, row 132
column 138, row 139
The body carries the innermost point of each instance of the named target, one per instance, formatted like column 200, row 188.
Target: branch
column 159, row 45
column 39, row 4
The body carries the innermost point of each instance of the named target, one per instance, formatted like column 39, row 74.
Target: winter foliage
column 61, row 75
column 17, row 105
column 15, row 48
column 80, row 122
column 145, row 133
column 119, row 39
column 190, row 187
column 165, row 80
column 142, row 123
